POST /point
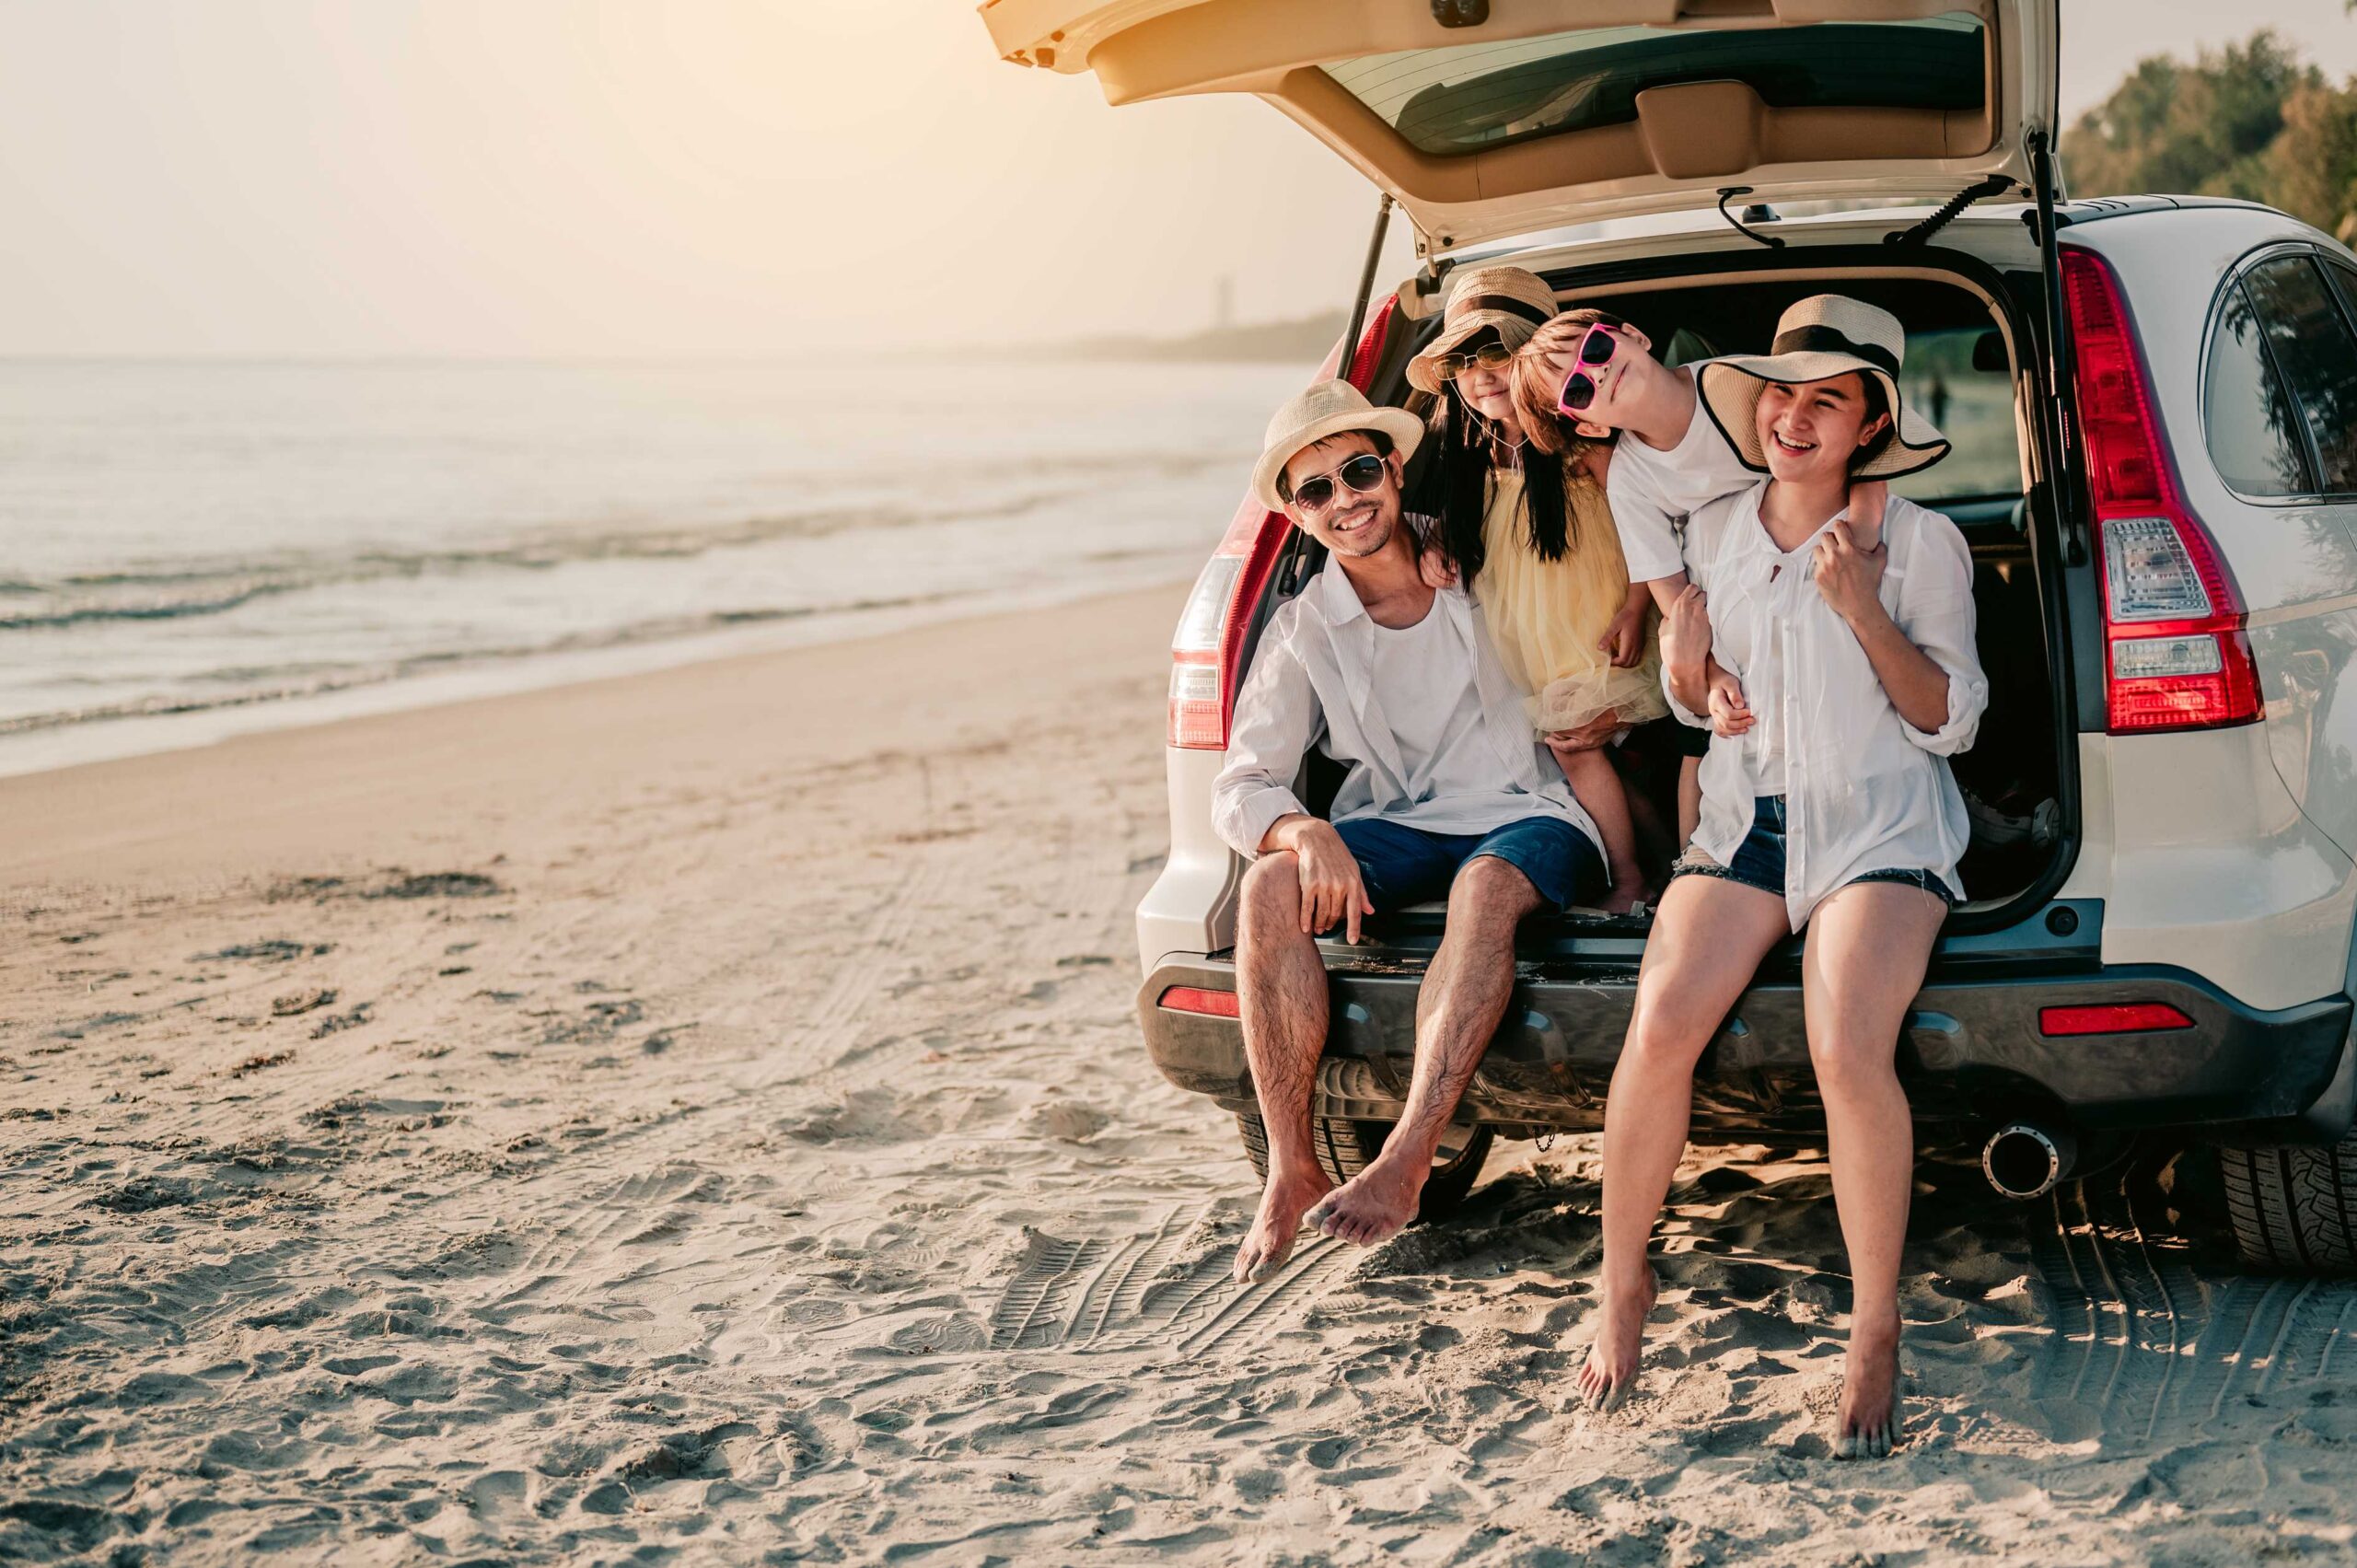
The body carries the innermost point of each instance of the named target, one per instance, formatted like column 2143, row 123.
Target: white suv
column 2154, row 403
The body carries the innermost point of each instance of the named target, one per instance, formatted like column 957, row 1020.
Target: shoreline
column 83, row 744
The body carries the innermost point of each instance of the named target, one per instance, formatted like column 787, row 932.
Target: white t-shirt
column 1651, row 492
column 1423, row 681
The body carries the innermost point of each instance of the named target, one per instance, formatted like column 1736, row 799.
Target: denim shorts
column 1403, row 865
column 1760, row 860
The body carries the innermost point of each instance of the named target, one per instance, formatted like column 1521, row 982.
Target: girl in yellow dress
column 1532, row 535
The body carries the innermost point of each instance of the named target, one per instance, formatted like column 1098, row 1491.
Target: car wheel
column 1344, row 1148
column 2294, row 1206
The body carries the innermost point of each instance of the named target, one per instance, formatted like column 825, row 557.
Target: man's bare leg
column 1458, row 1009
column 1707, row 940
column 1868, row 945
column 1281, row 993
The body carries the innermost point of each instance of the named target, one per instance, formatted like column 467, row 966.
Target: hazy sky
column 657, row 177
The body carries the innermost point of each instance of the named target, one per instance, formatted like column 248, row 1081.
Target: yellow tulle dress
column 1546, row 617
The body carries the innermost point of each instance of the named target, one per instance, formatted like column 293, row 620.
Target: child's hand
column 1434, row 565
column 1685, row 632
column 1730, row 714
column 1867, row 499
column 1624, row 639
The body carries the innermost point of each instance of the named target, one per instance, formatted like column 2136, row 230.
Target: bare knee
column 1847, row 1064
column 1665, row 1034
column 1489, row 891
column 1271, row 898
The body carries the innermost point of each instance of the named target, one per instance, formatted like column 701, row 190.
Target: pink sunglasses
column 1596, row 347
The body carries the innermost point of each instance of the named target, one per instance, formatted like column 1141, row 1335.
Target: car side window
column 2317, row 350
column 2253, row 429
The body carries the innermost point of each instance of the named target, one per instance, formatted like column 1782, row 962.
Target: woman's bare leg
column 1709, row 936
column 1597, row 784
column 1690, row 798
column 1867, row 947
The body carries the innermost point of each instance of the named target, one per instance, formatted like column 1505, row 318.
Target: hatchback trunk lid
column 1559, row 111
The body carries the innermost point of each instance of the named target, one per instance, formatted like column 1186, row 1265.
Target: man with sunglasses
column 1444, row 793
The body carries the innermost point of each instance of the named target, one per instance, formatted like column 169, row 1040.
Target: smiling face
column 1621, row 381
column 1487, row 389
column 1352, row 523
column 1811, row 430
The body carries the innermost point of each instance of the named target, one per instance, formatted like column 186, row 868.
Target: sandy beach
column 698, row 1117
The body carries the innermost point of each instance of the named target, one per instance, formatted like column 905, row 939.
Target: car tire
column 2293, row 1207
column 1344, row 1148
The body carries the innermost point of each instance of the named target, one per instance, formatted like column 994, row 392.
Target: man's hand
column 1624, row 639
column 1434, row 565
column 1598, row 731
column 1848, row 577
column 1331, row 887
column 1730, row 714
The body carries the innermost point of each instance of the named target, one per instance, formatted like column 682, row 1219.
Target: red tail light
column 2176, row 654
column 1207, row 653
column 1194, row 999
column 2116, row 1018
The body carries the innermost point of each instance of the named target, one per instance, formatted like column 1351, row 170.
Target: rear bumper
column 1973, row 1052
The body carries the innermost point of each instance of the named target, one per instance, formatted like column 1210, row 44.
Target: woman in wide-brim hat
column 1531, row 533
column 1826, row 805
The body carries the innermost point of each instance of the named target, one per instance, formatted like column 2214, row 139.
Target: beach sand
column 699, row 1118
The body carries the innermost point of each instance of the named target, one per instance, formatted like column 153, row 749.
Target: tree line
column 2252, row 120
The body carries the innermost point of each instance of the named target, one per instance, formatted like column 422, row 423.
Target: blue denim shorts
column 1760, row 860
column 1403, row 865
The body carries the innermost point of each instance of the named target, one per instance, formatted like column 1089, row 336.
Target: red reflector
column 2115, row 1018
column 1194, row 999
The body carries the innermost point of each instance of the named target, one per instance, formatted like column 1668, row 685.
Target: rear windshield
column 1473, row 97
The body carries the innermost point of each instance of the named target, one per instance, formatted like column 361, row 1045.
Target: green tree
column 2250, row 120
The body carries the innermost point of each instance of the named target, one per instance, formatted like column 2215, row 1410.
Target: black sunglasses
column 1362, row 473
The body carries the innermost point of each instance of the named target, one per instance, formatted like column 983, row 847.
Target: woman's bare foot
column 1282, row 1202
column 1377, row 1203
column 1866, row 1425
column 1611, row 1363
column 1627, row 893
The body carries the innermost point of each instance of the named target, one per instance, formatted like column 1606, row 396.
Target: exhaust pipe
column 2023, row 1160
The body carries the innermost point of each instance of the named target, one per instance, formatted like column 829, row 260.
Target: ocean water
column 188, row 549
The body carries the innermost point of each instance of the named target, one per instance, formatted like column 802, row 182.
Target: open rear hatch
column 1491, row 119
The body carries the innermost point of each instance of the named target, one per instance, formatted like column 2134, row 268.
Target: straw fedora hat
column 1823, row 336
column 1328, row 408
column 1509, row 301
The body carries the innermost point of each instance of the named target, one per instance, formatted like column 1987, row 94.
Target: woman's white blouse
column 1864, row 790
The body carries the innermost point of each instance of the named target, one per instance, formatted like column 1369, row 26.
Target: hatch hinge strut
column 2059, row 372
column 1367, row 283
column 1916, row 234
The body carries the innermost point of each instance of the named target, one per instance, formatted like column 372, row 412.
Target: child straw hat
column 1507, row 300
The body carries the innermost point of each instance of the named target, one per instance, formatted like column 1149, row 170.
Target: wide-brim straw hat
column 1821, row 337
column 1507, row 300
column 1328, row 408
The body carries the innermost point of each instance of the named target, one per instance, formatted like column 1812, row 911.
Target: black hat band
column 1832, row 340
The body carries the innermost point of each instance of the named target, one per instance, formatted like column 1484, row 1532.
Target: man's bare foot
column 1376, row 1204
column 1627, row 893
column 1866, row 1425
column 1269, row 1241
column 1611, row 1363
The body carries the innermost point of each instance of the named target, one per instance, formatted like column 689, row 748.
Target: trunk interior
column 1966, row 341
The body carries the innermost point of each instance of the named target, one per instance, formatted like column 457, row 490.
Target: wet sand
column 698, row 1117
